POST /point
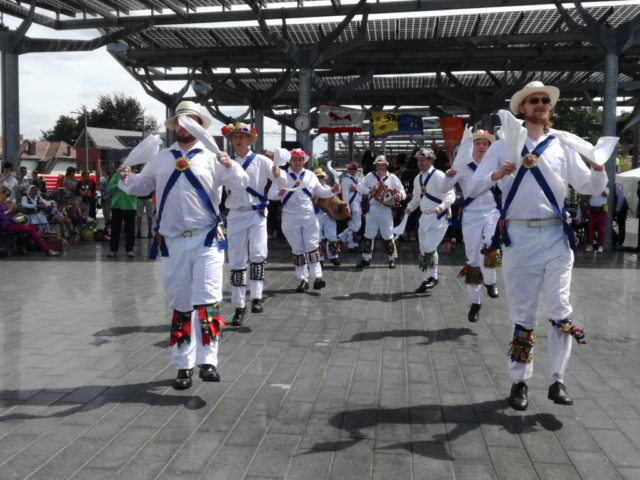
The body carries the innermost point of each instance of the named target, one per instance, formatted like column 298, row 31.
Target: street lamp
column 86, row 139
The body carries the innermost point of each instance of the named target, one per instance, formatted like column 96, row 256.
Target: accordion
column 332, row 206
column 385, row 195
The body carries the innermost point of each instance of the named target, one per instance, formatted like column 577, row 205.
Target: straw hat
column 426, row 153
column 478, row 134
column 299, row 153
column 320, row 173
column 530, row 89
column 354, row 165
column 381, row 159
column 187, row 108
column 240, row 127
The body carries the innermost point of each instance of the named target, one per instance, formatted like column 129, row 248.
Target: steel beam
column 10, row 110
column 610, row 97
column 259, row 126
column 304, row 105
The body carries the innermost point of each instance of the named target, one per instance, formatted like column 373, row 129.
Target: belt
column 193, row 233
column 243, row 209
column 537, row 223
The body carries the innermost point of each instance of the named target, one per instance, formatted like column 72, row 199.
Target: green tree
column 66, row 129
column 118, row 112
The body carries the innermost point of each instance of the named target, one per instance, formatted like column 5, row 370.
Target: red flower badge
column 253, row 130
column 225, row 129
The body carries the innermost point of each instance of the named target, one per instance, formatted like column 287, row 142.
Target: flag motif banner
column 337, row 119
column 391, row 124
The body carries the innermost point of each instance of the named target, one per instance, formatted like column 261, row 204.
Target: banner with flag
column 337, row 119
column 452, row 130
column 392, row 124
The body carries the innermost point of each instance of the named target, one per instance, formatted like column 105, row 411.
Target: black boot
column 431, row 282
column 474, row 312
column 256, row 305
column 492, row 291
column 319, row 283
column 183, row 380
column 558, row 393
column 336, row 262
column 422, row 288
column 392, row 264
column 238, row 317
column 304, row 286
column 518, row 399
column 208, row 373
column 363, row 263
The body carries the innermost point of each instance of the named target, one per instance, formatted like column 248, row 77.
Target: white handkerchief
column 513, row 134
column 598, row 154
column 200, row 133
column 281, row 157
column 144, row 151
column 465, row 150
column 336, row 175
column 399, row 230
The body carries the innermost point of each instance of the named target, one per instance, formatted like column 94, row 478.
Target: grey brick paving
column 365, row 380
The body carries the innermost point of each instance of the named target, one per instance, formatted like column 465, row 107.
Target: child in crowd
column 58, row 215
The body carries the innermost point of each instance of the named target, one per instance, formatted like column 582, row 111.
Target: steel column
column 171, row 137
column 10, row 110
column 636, row 150
column 259, row 121
column 304, row 105
column 609, row 129
column 350, row 147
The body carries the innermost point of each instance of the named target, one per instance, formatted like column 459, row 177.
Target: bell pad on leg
column 257, row 271
column 334, row 248
column 313, row 256
column 365, row 245
column 472, row 275
column 239, row 278
column 492, row 257
column 427, row 261
column 521, row 350
column 180, row 329
column 299, row 260
column 390, row 248
column 567, row 327
column 211, row 323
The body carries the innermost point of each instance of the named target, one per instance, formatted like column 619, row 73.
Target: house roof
column 109, row 139
column 47, row 150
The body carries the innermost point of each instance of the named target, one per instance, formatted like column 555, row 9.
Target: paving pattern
column 366, row 380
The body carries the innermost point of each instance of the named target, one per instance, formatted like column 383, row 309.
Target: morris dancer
column 187, row 179
column 299, row 223
column 379, row 217
column 479, row 219
column 434, row 196
column 247, row 220
column 353, row 198
column 538, row 241
column 329, row 243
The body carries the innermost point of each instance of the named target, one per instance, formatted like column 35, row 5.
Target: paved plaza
column 363, row 380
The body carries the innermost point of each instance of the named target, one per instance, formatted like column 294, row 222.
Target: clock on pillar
column 302, row 122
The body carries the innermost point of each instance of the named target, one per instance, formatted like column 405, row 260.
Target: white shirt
column 56, row 214
column 346, row 183
column 184, row 210
column 32, row 203
column 12, row 184
column 597, row 200
column 464, row 172
column 621, row 198
column 371, row 180
column 437, row 187
column 560, row 167
column 299, row 203
column 259, row 172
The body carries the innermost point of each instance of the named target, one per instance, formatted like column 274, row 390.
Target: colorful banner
column 337, row 119
column 394, row 124
column 452, row 130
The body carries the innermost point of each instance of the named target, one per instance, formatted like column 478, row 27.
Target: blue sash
column 159, row 245
column 365, row 210
column 289, row 194
column 355, row 194
column 430, row 197
column 260, row 208
column 537, row 174
column 466, row 201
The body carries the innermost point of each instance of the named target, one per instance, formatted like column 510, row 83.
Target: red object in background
column 56, row 181
column 452, row 130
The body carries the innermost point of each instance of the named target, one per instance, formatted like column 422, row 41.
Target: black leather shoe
column 518, row 399
column 238, row 317
column 319, row 283
column 183, row 380
column 492, row 290
column 422, row 288
column 256, row 305
column 336, row 262
column 432, row 282
column 363, row 263
column 322, row 263
column 208, row 373
column 474, row 312
column 558, row 393
column 304, row 286
column 392, row 264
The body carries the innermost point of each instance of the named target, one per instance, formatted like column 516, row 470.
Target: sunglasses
column 535, row 100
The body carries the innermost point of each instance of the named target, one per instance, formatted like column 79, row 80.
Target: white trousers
column 478, row 227
column 430, row 233
column 380, row 219
column 302, row 233
column 247, row 239
column 539, row 258
column 355, row 222
column 192, row 275
column 328, row 230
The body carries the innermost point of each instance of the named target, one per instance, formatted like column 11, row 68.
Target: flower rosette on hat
column 298, row 153
column 240, row 127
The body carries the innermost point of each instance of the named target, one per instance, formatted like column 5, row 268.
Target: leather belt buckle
column 188, row 233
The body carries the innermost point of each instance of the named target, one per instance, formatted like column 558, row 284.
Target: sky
column 54, row 84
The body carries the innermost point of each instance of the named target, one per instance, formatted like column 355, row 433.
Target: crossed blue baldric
column 260, row 208
column 466, row 201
